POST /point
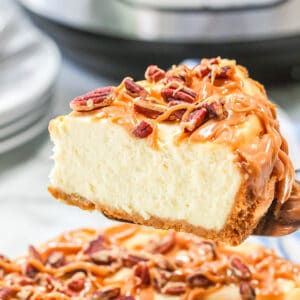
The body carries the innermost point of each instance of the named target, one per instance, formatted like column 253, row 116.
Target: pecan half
column 247, row 291
column 154, row 73
column 198, row 280
column 56, row 259
column 134, row 89
column 142, row 130
column 93, row 100
column 174, row 289
column 77, row 282
column 195, row 119
column 141, row 272
column 240, row 270
column 106, row 294
column 166, row 244
column 34, row 253
column 148, row 109
column 95, row 245
column 5, row 293
column 184, row 94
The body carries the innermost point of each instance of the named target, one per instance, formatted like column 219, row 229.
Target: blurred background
column 52, row 51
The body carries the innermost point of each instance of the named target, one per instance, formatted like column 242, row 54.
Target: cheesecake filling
column 197, row 182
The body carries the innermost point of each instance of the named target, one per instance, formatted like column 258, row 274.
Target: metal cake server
column 288, row 220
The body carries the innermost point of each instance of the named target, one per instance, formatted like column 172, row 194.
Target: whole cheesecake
column 128, row 262
column 197, row 150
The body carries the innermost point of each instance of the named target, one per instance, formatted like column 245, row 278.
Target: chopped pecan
column 159, row 278
column 45, row 280
column 93, row 100
column 240, row 270
column 77, row 282
column 106, row 294
column 247, row 291
column 134, row 89
column 103, row 257
column 154, row 73
column 177, row 113
column 180, row 73
column 5, row 293
column 148, row 109
column 211, row 246
column 198, row 280
column 224, row 73
column 95, row 245
column 132, row 259
column 33, row 252
column 30, row 271
column 163, row 263
column 141, row 272
column 215, row 109
column 142, row 130
column 183, row 94
column 195, row 119
column 56, row 259
column 166, row 244
column 174, row 288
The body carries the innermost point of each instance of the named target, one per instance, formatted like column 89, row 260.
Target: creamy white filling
column 103, row 163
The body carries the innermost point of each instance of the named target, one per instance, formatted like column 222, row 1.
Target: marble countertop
column 28, row 214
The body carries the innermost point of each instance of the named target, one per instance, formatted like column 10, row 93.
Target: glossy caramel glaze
column 128, row 260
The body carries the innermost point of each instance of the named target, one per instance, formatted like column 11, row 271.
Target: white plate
column 26, row 135
column 25, row 121
column 29, row 65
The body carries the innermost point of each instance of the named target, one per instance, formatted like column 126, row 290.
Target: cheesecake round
column 128, row 262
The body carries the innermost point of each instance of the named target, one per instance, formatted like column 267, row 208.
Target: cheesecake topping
column 128, row 262
column 214, row 101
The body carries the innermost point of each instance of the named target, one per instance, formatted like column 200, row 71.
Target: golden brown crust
column 239, row 225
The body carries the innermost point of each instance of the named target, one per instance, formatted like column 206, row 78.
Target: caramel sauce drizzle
column 261, row 156
column 184, row 255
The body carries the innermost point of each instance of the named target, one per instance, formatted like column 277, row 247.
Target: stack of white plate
column 29, row 64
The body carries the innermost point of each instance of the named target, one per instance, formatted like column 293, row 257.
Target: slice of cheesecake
column 128, row 262
column 197, row 150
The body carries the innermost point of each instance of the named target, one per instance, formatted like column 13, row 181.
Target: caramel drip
column 185, row 256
